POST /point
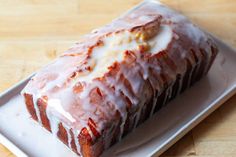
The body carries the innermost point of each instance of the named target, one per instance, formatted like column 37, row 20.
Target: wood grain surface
column 33, row 32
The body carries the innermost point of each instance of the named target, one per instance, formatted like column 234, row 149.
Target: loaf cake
column 118, row 76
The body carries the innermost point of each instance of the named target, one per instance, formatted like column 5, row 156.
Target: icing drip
column 166, row 96
column 108, row 136
column 190, row 76
column 209, row 56
column 35, row 99
column 56, row 105
column 180, row 84
column 170, row 92
column 54, row 122
column 76, row 134
column 154, row 104
column 69, row 136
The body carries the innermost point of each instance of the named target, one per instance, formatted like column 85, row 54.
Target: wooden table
column 33, row 32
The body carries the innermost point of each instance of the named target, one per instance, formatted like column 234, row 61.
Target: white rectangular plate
column 24, row 137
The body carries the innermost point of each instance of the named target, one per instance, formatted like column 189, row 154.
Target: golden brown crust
column 30, row 106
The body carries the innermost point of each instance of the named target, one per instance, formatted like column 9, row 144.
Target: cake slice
column 118, row 76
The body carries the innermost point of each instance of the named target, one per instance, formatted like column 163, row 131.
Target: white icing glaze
column 180, row 84
column 209, row 55
column 166, row 96
column 56, row 105
column 154, row 105
column 190, row 77
column 69, row 137
column 119, row 103
column 137, row 117
column 113, row 48
column 54, row 122
column 100, row 50
column 36, row 108
column 76, row 134
column 170, row 91
column 161, row 41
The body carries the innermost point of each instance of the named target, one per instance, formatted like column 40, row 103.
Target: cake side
column 118, row 76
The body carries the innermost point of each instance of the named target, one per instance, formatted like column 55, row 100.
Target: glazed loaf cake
column 117, row 76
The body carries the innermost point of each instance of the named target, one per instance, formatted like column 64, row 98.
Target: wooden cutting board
column 33, row 32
